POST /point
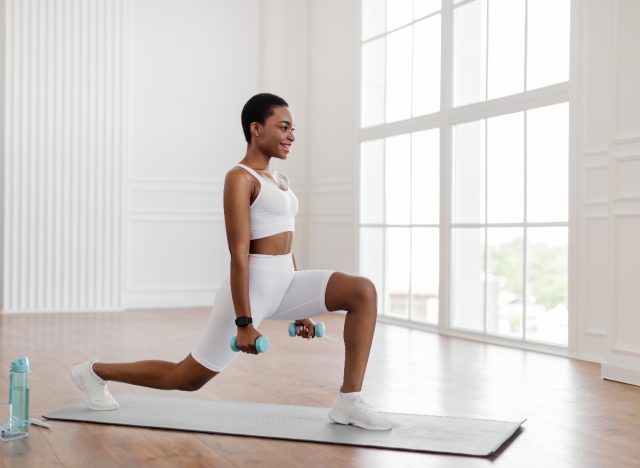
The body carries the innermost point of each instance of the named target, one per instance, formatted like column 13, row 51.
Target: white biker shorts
column 276, row 292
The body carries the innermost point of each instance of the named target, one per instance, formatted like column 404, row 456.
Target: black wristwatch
column 243, row 321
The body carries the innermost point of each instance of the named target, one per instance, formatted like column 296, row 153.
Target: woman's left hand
column 308, row 329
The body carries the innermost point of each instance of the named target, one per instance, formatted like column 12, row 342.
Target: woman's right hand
column 246, row 340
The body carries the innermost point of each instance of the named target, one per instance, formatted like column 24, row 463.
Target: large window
column 399, row 222
column 466, row 102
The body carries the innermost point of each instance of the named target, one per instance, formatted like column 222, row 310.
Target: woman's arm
column 295, row 267
column 237, row 196
column 238, row 187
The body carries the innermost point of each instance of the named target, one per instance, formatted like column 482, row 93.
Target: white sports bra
column 274, row 210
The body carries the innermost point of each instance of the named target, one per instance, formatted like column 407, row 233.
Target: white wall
column 65, row 120
column 124, row 117
column 333, row 126
column 607, row 125
column 187, row 96
column 2, row 146
column 194, row 64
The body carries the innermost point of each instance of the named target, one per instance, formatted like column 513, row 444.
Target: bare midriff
column 278, row 244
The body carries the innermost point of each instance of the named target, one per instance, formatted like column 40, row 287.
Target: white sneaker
column 358, row 413
column 96, row 393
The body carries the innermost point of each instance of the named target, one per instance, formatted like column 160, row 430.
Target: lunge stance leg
column 357, row 295
column 187, row 375
column 91, row 378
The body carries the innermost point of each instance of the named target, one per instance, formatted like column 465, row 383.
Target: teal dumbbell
column 293, row 329
column 262, row 344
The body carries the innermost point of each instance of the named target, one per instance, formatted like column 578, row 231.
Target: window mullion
column 526, row 230
column 384, row 178
column 446, row 142
column 526, row 41
column 486, row 53
column 486, row 220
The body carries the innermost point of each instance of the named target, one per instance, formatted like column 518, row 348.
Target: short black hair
column 258, row 109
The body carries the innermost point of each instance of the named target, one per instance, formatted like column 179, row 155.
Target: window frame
column 444, row 120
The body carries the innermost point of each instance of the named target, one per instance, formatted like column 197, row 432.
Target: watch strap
column 243, row 321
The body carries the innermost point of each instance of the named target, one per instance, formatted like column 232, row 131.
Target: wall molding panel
column 66, row 117
column 609, row 186
column 596, row 187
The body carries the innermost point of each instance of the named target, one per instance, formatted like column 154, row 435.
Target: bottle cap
column 21, row 364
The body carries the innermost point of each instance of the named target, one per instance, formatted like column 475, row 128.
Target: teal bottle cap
column 21, row 364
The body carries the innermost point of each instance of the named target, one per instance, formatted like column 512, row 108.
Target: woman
column 263, row 283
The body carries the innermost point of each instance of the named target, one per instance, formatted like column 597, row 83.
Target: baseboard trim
column 620, row 373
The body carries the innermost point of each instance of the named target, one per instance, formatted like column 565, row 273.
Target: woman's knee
column 363, row 296
column 349, row 292
column 189, row 375
column 365, row 290
column 192, row 385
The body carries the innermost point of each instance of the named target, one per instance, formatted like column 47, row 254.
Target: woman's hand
column 247, row 337
column 308, row 329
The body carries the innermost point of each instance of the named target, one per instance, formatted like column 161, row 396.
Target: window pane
column 399, row 13
column 372, row 94
column 425, row 264
column 425, row 177
column 505, row 168
column 397, row 274
column 547, row 280
column 372, row 258
column 426, row 66
column 506, row 48
column 469, row 52
column 371, row 181
column 548, row 28
column 398, row 179
column 469, row 172
column 548, row 163
column 467, row 279
column 425, row 7
column 399, row 75
column 505, row 255
column 373, row 21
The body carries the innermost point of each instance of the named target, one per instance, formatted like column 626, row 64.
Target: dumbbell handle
column 262, row 344
column 319, row 328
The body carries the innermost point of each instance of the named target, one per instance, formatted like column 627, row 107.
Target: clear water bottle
column 19, row 391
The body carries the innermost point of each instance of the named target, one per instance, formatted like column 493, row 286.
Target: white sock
column 350, row 395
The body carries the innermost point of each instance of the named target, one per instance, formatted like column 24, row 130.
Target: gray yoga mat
column 423, row 433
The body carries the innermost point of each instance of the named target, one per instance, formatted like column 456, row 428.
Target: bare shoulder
column 240, row 185
column 238, row 176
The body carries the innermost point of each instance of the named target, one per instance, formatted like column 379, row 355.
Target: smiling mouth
column 287, row 147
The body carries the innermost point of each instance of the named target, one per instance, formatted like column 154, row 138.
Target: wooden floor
column 574, row 419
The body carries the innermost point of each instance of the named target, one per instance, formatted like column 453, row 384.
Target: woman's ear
column 255, row 129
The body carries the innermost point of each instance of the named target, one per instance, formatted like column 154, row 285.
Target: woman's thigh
column 305, row 296
column 266, row 289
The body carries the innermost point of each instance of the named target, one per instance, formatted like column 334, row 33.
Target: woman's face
column 276, row 136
